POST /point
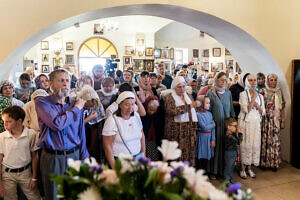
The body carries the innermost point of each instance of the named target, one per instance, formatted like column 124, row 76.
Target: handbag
column 135, row 157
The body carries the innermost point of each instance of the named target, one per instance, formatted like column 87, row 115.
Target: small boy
column 18, row 151
column 233, row 137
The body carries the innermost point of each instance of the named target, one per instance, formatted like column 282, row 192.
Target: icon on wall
column 44, row 45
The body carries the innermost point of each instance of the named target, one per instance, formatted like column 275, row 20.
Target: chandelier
column 105, row 26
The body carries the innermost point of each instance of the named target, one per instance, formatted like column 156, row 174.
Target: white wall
column 179, row 35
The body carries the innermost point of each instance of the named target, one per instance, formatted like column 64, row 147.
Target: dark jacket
column 167, row 81
column 233, row 140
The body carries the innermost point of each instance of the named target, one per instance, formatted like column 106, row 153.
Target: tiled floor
column 268, row 185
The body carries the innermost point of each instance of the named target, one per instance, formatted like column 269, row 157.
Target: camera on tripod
column 111, row 65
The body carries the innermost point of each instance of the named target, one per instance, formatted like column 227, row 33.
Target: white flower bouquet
column 141, row 180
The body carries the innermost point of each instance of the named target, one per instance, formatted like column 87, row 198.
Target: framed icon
column 216, row 52
column 44, row 45
column 129, row 50
column 70, row 59
column 45, row 69
column 149, row 51
column 195, row 53
column 127, row 60
column 45, row 57
column 157, row 53
column 69, row 45
column 206, row 53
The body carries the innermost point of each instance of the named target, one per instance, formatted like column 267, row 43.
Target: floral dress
column 184, row 133
column 270, row 143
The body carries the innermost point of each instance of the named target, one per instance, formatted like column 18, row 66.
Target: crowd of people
column 218, row 119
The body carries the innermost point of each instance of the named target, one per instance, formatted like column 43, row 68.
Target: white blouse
column 131, row 131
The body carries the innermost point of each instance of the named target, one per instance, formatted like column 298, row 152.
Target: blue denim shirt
column 62, row 126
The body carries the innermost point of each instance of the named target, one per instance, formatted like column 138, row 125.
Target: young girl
column 205, row 135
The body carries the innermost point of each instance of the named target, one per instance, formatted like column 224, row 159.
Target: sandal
column 243, row 174
column 251, row 174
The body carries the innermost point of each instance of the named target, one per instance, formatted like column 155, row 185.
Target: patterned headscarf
column 4, row 103
column 279, row 101
column 6, row 83
column 216, row 88
column 38, row 83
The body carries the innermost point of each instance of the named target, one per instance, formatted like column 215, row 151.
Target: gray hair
column 55, row 72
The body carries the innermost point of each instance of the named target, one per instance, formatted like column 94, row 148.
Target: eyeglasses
column 233, row 125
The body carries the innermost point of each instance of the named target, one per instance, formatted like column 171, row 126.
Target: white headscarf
column 113, row 90
column 178, row 102
column 124, row 95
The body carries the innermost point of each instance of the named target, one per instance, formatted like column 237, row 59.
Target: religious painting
column 129, row 50
column 127, row 60
column 44, row 45
column 45, row 58
column 45, row 69
column 98, row 30
column 164, row 53
column 70, row 59
column 149, row 51
column 149, row 65
column 195, row 53
column 216, row 67
column 69, row 45
column 206, row 53
column 216, row 52
column 157, row 53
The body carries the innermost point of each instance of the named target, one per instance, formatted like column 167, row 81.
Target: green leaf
column 172, row 196
column 118, row 166
column 151, row 176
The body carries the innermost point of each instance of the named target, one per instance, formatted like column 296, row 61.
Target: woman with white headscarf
column 107, row 91
column 221, row 108
column 93, row 116
column 252, row 110
column 273, row 121
column 181, row 119
column 123, row 131
column 235, row 90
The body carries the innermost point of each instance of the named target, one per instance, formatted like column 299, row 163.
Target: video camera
column 111, row 65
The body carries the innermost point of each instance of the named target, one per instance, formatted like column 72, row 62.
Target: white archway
column 249, row 53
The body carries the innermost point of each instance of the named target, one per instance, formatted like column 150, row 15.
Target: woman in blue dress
column 205, row 142
column 221, row 108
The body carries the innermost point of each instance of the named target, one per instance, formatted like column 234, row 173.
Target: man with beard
column 98, row 71
column 62, row 134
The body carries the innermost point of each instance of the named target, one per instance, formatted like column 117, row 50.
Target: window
column 95, row 51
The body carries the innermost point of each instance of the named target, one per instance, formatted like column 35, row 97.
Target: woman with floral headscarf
column 181, row 119
column 7, row 90
column 4, row 103
column 221, row 108
column 273, row 121
column 252, row 110
column 42, row 82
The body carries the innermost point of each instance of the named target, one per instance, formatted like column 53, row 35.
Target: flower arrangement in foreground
column 142, row 180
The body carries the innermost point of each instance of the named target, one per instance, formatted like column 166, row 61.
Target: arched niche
column 251, row 55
